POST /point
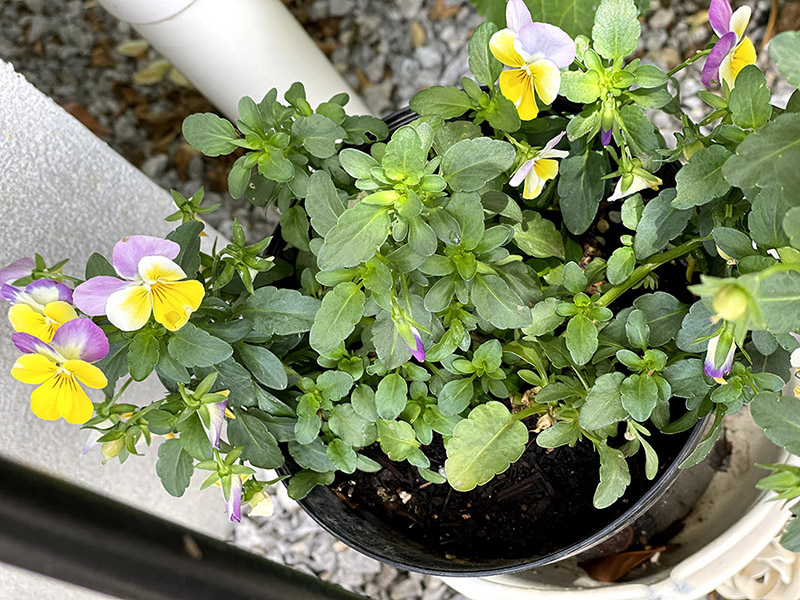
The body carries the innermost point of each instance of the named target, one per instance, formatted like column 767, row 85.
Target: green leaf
column 560, row 434
column 390, row 347
column 791, row 536
column 573, row 16
column 355, row 238
column 484, row 445
column 187, row 236
column 397, row 439
column 391, row 397
column 467, row 211
column 264, row 365
column 650, row 76
column 210, row 134
column 573, row 278
column 620, row 265
column 484, row 66
column 304, row 481
column 614, row 476
column 143, row 355
column 791, row 226
column 273, row 165
column 193, row 347
column 260, row 447
column 354, row 429
column 342, row 456
column 319, row 134
column 440, row 101
column 581, row 188
column 639, row 396
column 174, row 467
column 637, row 330
column 778, row 296
column 545, row 317
column 705, row 447
column 363, row 401
column 603, row 403
column 660, row 223
column 639, row 130
column 468, row 165
column 357, row 164
column 701, row 181
column 581, row 87
column 581, row 339
column 664, row 314
column 779, row 417
column 193, row 438
column 341, row 309
column 98, row 265
column 294, row 227
column 632, row 209
column 765, row 221
column 616, row 28
column 750, row 99
column 365, row 129
column 768, row 157
column 536, row 236
column 456, row 396
column 276, row 311
column 499, row 304
column 733, row 242
column 697, row 324
column 785, row 51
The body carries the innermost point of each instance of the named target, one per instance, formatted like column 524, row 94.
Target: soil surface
column 541, row 504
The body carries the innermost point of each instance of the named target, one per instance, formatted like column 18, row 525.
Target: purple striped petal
column 719, row 15
column 81, row 339
column 91, row 296
column 10, row 293
column 543, row 40
column 552, row 143
column 17, row 270
column 45, row 291
column 605, row 136
column 522, row 173
column 718, row 53
column 517, row 15
column 710, row 366
column 419, row 351
column 29, row 344
column 216, row 417
column 130, row 250
column 233, row 504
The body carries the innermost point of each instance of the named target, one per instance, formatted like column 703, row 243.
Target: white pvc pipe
column 234, row 48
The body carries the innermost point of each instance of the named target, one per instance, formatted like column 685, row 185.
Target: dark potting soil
column 541, row 504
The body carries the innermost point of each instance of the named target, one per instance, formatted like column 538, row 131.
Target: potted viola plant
column 489, row 330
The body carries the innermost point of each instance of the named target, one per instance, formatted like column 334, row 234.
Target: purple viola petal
column 10, row 293
column 710, row 366
column 553, row 143
column 517, row 15
column 796, row 336
column 233, row 504
column 605, row 136
column 718, row 53
column 45, row 291
column 522, row 173
column 90, row 297
column 81, row 339
column 719, row 15
column 17, row 270
column 30, row 344
column 419, row 351
column 216, row 417
column 130, row 250
column 543, row 40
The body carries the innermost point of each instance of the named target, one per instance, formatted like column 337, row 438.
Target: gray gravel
column 387, row 50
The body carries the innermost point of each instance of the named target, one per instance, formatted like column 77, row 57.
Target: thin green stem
column 535, row 409
column 650, row 265
column 689, row 61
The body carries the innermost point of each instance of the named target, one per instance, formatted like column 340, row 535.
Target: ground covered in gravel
column 100, row 71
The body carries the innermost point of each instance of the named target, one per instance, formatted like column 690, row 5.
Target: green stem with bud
column 650, row 265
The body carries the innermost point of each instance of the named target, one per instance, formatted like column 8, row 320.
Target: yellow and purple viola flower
column 733, row 51
column 40, row 308
column 537, row 171
column 719, row 356
column 535, row 53
column 150, row 283
column 58, row 369
column 636, row 183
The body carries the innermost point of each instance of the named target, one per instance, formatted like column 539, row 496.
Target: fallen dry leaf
column 80, row 112
column 153, row 73
column 614, row 567
column 133, row 48
column 441, row 11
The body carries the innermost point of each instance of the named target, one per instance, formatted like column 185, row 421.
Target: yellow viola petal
column 743, row 55
column 173, row 302
column 33, row 368
column 546, row 168
column 72, row 402
column 533, row 186
column 516, row 85
column 159, row 268
column 86, row 373
column 60, row 311
column 129, row 308
column 25, row 319
column 546, row 79
column 501, row 45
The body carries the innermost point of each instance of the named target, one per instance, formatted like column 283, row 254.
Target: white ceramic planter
column 234, row 48
column 726, row 530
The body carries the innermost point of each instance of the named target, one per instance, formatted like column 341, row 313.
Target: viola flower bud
column 719, row 356
column 113, row 448
column 731, row 302
column 605, row 136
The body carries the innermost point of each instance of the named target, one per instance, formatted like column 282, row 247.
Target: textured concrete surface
column 65, row 193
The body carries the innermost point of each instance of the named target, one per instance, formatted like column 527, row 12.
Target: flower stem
column 687, row 62
column 643, row 270
column 534, row 409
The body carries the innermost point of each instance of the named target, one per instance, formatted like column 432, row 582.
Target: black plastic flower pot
column 651, row 511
